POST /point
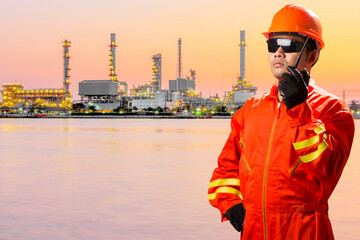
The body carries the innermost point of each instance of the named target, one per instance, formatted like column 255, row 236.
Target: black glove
column 294, row 87
column 236, row 216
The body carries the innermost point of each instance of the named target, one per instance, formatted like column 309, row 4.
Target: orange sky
column 32, row 32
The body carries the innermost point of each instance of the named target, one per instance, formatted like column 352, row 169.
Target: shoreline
column 120, row 117
column 139, row 117
column 106, row 116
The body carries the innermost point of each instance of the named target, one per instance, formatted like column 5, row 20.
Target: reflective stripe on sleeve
column 306, row 143
column 225, row 190
column 225, row 181
column 320, row 129
column 312, row 156
column 310, row 141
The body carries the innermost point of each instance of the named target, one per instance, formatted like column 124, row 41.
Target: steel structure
column 112, row 67
column 240, row 86
column 148, row 90
column 156, row 81
column 193, row 74
column 122, row 92
column 14, row 95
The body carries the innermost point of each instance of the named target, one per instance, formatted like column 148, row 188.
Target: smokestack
column 179, row 59
column 242, row 53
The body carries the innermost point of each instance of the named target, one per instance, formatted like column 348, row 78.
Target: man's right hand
column 236, row 216
column 294, row 87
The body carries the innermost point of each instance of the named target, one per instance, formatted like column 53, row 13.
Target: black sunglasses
column 287, row 45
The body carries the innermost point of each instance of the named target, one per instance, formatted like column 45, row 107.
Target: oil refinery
column 113, row 95
column 14, row 95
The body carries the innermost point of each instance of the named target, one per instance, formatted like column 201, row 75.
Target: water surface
column 126, row 179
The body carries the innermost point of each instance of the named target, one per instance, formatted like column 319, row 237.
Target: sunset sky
column 32, row 32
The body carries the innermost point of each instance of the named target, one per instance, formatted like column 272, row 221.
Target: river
column 127, row 179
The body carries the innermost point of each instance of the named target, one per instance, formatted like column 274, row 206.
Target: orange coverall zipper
column 266, row 165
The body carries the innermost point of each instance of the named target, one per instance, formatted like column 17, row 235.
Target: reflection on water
column 126, row 179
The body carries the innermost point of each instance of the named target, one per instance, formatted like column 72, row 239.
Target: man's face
column 279, row 60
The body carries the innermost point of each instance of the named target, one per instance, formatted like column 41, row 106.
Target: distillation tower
column 148, row 90
column 112, row 46
column 112, row 66
column 66, row 46
column 156, row 81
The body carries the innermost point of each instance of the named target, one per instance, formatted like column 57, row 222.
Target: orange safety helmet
column 295, row 18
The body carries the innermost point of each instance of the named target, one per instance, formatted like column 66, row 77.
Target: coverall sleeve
column 323, row 144
column 224, row 189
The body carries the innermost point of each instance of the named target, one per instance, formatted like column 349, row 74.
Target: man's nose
column 280, row 53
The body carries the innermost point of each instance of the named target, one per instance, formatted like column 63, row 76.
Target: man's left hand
column 236, row 216
column 294, row 87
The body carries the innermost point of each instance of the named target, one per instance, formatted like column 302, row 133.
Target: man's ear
column 313, row 57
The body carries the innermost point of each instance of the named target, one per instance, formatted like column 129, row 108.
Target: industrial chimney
column 179, row 58
column 242, row 53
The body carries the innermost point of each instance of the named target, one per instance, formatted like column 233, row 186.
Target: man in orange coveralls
column 287, row 147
